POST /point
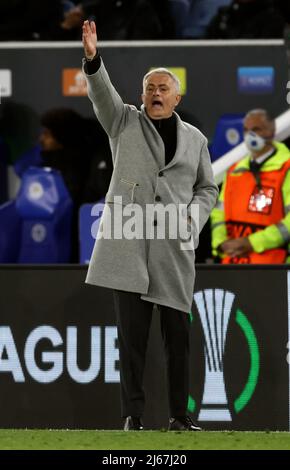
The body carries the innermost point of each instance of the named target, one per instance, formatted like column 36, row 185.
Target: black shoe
column 133, row 423
column 182, row 423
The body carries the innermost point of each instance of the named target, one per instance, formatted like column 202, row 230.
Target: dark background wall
column 50, row 301
column 212, row 85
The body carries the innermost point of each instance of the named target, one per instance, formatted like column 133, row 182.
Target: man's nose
column 156, row 91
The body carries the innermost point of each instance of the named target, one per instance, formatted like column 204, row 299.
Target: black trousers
column 134, row 317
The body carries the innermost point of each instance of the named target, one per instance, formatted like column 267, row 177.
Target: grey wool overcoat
column 158, row 269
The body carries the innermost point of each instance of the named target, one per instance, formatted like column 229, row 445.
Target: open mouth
column 157, row 104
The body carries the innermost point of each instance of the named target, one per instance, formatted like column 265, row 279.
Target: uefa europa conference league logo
column 215, row 309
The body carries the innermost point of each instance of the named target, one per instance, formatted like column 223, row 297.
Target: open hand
column 90, row 39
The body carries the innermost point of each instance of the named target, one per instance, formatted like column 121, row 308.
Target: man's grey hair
column 165, row 71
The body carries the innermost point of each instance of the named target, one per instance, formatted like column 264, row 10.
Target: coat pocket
column 124, row 192
column 185, row 229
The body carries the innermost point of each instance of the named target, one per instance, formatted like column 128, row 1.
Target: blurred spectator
column 251, row 221
column 122, row 19
column 101, row 164
column 249, row 19
column 79, row 149
column 192, row 17
column 62, row 145
column 62, row 148
column 25, row 20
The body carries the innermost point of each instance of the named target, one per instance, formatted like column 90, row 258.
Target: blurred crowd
column 48, row 20
column 74, row 145
column 78, row 147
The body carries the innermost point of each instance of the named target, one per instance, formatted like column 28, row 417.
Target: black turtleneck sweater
column 165, row 127
column 167, row 131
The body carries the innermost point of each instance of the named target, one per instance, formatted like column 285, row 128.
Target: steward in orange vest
column 251, row 221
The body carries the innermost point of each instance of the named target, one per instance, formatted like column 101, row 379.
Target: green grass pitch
column 146, row 440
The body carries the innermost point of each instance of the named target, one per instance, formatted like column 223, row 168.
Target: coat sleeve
column 205, row 192
column 109, row 108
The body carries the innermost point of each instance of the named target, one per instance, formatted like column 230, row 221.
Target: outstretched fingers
column 86, row 27
column 92, row 25
column 89, row 28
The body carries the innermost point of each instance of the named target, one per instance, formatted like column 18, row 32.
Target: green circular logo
column 245, row 396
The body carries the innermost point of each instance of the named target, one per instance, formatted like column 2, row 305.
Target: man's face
column 48, row 141
column 160, row 96
column 260, row 125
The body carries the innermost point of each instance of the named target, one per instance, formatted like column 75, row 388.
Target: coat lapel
column 156, row 144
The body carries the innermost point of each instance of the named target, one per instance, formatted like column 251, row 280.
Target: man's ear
column 178, row 99
column 143, row 98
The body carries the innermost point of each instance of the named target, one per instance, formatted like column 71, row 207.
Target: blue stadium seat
column 228, row 134
column 10, row 231
column 89, row 221
column 31, row 157
column 39, row 220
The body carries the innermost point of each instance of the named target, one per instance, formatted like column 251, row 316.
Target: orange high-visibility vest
column 249, row 208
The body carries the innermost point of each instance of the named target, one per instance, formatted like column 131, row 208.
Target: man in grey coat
column 160, row 162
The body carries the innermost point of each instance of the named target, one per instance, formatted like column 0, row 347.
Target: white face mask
column 254, row 142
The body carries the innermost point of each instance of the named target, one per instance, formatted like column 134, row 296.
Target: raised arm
column 90, row 39
column 108, row 106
